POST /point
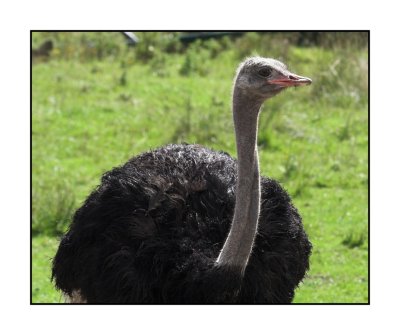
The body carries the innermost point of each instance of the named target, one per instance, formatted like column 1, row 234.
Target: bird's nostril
column 292, row 78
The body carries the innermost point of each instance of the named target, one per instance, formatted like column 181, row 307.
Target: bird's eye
column 265, row 72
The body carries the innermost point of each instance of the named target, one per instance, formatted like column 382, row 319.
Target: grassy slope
column 90, row 117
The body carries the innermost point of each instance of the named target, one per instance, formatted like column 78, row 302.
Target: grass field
column 90, row 114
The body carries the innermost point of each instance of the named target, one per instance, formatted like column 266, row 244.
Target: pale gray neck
column 237, row 247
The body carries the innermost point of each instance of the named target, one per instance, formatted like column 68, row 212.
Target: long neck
column 237, row 248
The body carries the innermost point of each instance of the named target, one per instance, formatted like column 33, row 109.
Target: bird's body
column 168, row 226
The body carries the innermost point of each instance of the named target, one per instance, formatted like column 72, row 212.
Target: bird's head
column 262, row 78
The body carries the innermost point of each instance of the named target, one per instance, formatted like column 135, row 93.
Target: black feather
column 151, row 233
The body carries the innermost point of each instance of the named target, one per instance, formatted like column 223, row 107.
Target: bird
column 185, row 224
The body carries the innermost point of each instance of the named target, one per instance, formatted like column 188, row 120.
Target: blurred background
column 99, row 98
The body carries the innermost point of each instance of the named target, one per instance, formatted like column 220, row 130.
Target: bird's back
column 152, row 230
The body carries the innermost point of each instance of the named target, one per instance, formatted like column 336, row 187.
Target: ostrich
column 186, row 224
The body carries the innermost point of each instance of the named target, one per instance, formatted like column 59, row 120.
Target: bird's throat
column 238, row 245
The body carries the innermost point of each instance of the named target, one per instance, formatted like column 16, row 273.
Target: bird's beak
column 290, row 79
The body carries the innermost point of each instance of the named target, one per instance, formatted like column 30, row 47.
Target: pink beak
column 290, row 79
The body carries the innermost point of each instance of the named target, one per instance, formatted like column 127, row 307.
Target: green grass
column 43, row 249
column 89, row 116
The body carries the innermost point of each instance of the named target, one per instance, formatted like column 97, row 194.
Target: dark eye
column 265, row 72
